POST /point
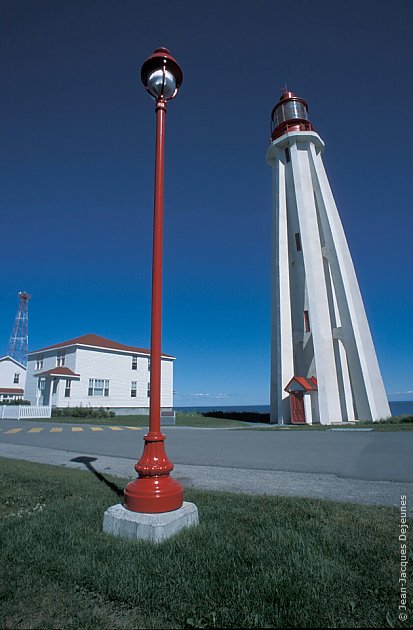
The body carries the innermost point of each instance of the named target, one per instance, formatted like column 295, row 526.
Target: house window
column 134, row 363
column 298, row 241
column 41, row 384
column 306, row 322
column 61, row 358
column 16, row 378
column 133, row 389
column 287, row 155
column 149, row 390
column 149, row 365
column 98, row 387
column 39, row 364
column 67, row 388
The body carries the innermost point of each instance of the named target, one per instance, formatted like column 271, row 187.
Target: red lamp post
column 154, row 490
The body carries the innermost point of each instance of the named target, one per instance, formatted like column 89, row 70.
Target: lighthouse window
column 306, row 322
column 287, row 155
column 298, row 241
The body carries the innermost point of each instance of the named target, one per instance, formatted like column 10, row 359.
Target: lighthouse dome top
column 290, row 114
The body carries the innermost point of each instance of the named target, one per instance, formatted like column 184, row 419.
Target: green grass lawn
column 200, row 421
column 252, row 561
column 182, row 420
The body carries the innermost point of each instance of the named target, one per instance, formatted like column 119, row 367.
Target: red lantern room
column 290, row 114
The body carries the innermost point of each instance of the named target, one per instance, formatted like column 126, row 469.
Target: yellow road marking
column 56, row 430
column 96, row 428
column 135, row 428
column 36, row 430
column 116, row 428
column 13, row 430
column 77, row 429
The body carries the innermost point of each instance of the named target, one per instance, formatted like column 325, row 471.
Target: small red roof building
column 11, row 390
column 59, row 371
column 301, row 383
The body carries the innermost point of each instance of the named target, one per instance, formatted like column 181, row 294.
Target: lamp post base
column 154, row 494
column 154, row 491
column 120, row 522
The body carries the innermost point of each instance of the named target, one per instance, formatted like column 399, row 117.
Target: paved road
column 369, row 456
column 330, row 465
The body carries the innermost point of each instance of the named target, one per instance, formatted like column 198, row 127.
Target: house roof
column 59, row 371
column 307, row 384
column 9, row 358
column 97, row 342
column 11, row 390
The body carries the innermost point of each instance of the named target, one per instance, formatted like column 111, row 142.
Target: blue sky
column 77, row 159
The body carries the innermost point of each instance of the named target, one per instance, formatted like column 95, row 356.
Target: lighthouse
column 324, row 367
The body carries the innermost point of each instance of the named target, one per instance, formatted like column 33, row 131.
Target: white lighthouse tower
column 323, row 363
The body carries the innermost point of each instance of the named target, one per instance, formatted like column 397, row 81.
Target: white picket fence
column 15, row 412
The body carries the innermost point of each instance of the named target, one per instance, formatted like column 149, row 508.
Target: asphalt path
column 359, row 455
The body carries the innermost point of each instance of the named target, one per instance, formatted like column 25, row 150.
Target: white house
column 12, row 379
column 95, row 372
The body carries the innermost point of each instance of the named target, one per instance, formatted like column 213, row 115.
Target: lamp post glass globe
column 161, row 84
column 161, row 75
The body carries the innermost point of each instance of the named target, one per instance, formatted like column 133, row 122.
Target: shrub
column 389, row 420
column 246, row 416
column 82, row 412
column 404, row 418
column 396, row 419
column 17, row 401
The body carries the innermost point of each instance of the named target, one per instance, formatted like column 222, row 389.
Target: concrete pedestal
column 119, row 521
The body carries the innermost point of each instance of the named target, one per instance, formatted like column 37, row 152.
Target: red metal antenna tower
column 19, row 338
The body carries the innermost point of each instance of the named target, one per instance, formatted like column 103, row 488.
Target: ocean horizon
column 397, row 408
